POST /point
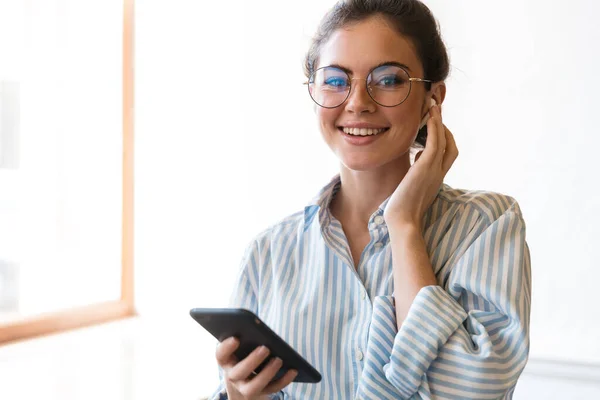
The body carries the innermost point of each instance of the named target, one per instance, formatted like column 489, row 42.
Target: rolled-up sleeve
column 467, row 340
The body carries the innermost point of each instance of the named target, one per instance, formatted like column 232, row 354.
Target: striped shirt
column 467, row 338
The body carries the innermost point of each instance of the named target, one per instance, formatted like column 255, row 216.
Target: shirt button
column 359, row 355
column 364, row 295
column 378, row 220
column 378, row 245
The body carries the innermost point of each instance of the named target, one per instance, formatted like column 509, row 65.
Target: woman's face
column 359, row 48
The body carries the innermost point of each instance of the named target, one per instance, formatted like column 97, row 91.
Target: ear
column 438, row 92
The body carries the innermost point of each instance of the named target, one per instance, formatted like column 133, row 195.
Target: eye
column 390, row 81
column 336, row 81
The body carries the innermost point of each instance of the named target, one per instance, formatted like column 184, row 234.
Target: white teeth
column 362, row 131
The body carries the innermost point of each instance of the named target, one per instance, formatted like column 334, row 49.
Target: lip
column 360, row 140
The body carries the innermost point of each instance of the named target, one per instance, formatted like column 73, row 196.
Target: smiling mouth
column 363, row 131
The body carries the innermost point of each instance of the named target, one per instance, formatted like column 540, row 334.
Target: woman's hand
column 240, row 382
column 420, row 185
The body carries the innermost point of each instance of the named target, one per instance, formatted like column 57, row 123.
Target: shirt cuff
column 404, row 356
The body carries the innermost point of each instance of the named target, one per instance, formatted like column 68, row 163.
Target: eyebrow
column 383, row 64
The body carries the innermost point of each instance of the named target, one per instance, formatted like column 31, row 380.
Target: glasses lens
column 329, row 86
column 389, row 85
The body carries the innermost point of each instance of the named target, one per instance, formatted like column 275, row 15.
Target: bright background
column 219, row 156
column 60, row 154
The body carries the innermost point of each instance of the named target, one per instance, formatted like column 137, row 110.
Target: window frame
column 93, row 314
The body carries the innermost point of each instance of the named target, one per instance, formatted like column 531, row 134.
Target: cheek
column 326, row 117
column 408, row 118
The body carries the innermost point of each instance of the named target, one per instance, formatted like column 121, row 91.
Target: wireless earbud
column 432, row 102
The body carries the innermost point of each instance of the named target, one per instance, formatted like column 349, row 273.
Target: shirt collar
column 320, row 203
column 325, row 195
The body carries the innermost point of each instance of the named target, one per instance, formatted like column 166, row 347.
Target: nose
column 359, row 100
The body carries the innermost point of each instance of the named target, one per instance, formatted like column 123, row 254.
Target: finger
column 451, row 151
column 441, row 130
column 432, row 142
column 225, row 350
column 282, row 382
column 243, row 369
column 259, row 384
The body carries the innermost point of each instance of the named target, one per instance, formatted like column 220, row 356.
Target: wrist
column 405, row 230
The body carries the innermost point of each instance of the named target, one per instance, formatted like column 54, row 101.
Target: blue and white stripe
column 467, row 338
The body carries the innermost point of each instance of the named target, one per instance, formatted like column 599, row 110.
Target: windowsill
column 173, row 358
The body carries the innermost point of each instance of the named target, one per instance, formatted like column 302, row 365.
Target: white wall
column 522, row 102
column 219, row 158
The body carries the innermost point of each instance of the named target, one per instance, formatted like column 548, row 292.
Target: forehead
column 362, row 45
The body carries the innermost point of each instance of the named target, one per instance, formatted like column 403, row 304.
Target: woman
column 391, row 283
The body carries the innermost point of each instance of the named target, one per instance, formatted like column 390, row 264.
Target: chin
column 371, row 161
column 362, row 162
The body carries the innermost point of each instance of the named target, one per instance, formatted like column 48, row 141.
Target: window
column 66, row 165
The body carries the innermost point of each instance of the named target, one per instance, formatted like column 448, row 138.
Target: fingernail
column 263, row 350
column 278, row 361
column 231, row 340
column 294, row 373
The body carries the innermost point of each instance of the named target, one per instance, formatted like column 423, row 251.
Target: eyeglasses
column 388, row 85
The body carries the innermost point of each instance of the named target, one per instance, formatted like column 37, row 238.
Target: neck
column 362, row 192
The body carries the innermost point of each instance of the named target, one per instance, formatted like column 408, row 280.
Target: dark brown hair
column 411, row 18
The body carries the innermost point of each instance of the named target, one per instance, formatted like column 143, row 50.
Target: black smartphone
column 223, row 323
